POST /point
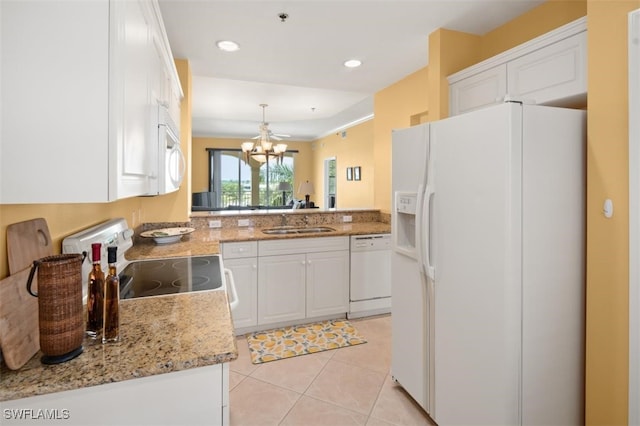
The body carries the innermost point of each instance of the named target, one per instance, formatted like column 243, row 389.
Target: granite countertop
column 157, row 335
column 205, row 241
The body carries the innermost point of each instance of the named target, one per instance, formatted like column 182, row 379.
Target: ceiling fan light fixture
column 247, row 146
column 227, row 45
column 262, row 150
column 352, row 63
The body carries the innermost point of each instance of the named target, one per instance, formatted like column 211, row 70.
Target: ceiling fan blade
column 281, row 135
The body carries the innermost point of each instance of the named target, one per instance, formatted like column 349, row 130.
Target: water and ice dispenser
column 405, row 222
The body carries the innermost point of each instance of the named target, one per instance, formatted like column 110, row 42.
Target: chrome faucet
column 283, row 222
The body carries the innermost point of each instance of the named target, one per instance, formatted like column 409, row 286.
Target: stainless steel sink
column 302, row 230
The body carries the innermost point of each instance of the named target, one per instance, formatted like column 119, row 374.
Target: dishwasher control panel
column 371, row 242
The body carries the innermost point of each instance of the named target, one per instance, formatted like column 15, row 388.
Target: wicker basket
column 61, row 319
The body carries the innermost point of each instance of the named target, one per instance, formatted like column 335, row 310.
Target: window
column 235, row 183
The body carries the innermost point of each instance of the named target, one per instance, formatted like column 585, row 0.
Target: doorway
column 330, row 184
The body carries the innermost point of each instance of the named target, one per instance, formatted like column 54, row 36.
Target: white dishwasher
column 370, row 278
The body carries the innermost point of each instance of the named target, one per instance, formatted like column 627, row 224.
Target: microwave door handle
column 177, row 180
column 172, row 137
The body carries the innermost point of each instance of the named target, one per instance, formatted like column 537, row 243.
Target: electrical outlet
column 215, row 224
column 346, row 218
column 243, row 222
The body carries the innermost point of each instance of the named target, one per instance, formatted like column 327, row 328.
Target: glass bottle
column 111, row 328
column 95, row 294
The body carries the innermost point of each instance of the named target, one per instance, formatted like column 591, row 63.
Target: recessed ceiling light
column 227, row 45
column 352, row 63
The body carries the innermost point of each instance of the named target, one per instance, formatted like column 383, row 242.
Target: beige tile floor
column 346, row 386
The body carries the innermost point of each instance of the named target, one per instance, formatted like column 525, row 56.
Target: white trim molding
column 634, row 216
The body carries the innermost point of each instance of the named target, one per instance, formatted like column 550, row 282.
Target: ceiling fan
column 264, row 149
column 265, row 132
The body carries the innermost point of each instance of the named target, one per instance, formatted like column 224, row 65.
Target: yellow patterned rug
column 288, row 342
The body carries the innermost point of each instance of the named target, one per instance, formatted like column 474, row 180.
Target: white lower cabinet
column 302, row 278
column 242, row 259
column 195, row 396
column 281, row 288
column 285, row 281
column 327, row 283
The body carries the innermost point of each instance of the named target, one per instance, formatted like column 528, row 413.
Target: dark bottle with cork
column 95, row 294
column 111, row 327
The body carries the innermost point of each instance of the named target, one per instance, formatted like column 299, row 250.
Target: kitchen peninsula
column 189, row 336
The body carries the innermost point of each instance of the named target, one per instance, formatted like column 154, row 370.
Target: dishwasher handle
column 231, row 286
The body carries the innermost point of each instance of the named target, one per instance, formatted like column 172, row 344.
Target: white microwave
column 171, row 162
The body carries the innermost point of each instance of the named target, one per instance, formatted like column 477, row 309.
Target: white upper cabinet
column 77, row 93
column 480, row 90
column 556, row 73
column 548, row 70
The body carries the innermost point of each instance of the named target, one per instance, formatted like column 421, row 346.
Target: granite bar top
column 205, row 241
column 157, row 335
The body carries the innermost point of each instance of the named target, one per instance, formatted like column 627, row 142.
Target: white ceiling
column 296, row 66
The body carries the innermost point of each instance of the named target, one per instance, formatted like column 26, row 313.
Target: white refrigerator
column 488, row 265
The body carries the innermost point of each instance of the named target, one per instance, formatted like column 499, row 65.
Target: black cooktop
column 169, row 276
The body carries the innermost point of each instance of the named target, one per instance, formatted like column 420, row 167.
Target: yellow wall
column 303, row 168
column 356, row 149
column 394, row 108
column 65, row 219
column 542, row 19
column 607, row 350
column 449, row 52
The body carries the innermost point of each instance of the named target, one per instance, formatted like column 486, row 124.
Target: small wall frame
column 349, row 173
column 356, row 173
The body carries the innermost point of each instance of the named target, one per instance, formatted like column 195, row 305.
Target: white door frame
column 634, row 217
column 326, row 182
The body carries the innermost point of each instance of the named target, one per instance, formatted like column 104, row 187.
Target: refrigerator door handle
column 418, row 219
column 425, row 261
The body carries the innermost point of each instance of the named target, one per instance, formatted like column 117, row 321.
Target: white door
column 281, row 288
column 476, row 243
column 330, row 183
column 245, row 276
column 327, row 283
column 411, row 359
column 481, row 90
column 370, row 274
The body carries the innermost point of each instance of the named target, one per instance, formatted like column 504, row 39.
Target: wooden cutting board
column 27, row 241
column 19, row 329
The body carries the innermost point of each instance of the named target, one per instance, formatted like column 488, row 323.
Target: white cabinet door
column 55, row 87
column 552, row 74
column 132, row 63
column 89, row 95
column 327, row 283
column 478, row 91
column 281, row 288
column 245, row 276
